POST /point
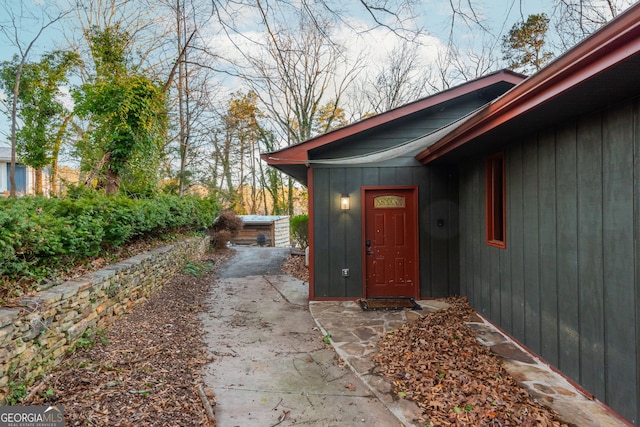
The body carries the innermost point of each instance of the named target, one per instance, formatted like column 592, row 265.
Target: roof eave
column 299, row 153
column 614, row 43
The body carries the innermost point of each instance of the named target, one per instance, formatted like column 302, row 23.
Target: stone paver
column 271, row 365
column 354, row 340
column 270, row 358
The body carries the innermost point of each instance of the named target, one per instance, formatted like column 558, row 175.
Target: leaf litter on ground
column 294, row 266
column 456, row 381
column 145, row 368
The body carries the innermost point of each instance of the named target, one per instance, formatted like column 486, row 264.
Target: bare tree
column 150, row 32
column 574, row 20
column 17, row 17
column 166, row 46
column 397, row 16
column 296, row 71
column 396, row 81
column 183, row 98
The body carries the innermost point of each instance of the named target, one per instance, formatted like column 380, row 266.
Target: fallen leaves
column 294, row 266
column 145, row 370
column 438, row 363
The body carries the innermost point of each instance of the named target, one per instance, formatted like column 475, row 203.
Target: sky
column 432, row 15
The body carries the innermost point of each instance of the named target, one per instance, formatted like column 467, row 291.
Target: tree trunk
column 55, row 153
column 182, row 137
column 14, row 120
column 226, row 166
column 240, row 194
column 254, row 194
column 112, row 185
column 263, row 185
column 38, row 183
column 290, row 196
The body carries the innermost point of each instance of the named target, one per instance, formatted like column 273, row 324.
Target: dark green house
column 350, row 255
column 527, row 203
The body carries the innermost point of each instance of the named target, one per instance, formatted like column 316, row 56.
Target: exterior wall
column 567, row 283
column 276, row 229
column 36, row 337
column 4, row 178
column 338, row 234
column 281, row 232
column 22, row 177
column 25, row 179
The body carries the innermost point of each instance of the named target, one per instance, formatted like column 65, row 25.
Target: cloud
column 64, row 97
column 370, row 46
column 378, row 43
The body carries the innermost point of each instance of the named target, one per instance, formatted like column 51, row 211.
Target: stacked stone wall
column 36, row 335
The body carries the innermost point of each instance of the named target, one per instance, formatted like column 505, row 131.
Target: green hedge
column 38, row 233
column 300, row 229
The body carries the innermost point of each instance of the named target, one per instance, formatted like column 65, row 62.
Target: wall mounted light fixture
column 344, row 202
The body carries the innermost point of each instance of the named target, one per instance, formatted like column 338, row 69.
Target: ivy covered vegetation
column 39, row 237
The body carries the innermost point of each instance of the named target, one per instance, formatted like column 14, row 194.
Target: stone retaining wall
column 36, row 336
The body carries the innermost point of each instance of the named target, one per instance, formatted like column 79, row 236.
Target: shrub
column 300, row 229
column 222, row 237
column 228, row 221
column 226, row 226
column 38, row 235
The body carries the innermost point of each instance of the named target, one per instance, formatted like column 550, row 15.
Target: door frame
column 414, row 197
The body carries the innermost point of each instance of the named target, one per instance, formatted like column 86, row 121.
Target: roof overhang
column 294, row 160
column 600, row 71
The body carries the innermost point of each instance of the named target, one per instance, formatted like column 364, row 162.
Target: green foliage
column 17, row 392
column 85, row 342
column 128, row 113
column 41, row 111
column 38, row 235
column 197, row 268
column 467, row 408
column 49, row 394
column 300, row 229
column 327, row 339
column 523, row 46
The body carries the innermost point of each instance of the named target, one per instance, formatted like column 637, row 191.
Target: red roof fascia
column 299, row 153
column 612, row 44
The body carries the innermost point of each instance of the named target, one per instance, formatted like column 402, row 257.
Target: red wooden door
column 391, row 242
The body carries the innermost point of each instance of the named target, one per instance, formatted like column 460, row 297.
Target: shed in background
column 274, row 228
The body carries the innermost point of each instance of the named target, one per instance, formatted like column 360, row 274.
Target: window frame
column 496, row 206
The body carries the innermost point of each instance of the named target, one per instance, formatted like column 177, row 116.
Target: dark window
column 496, row 207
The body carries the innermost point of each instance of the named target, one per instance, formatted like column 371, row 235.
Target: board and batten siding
column 338, row 234
column 402, row 130
column 567, row 284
